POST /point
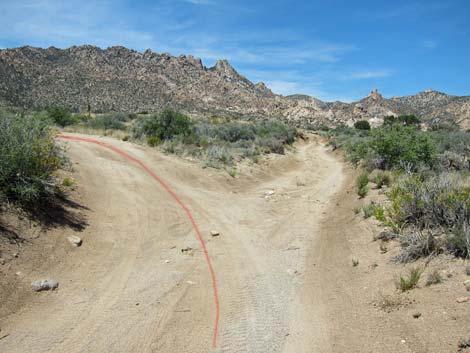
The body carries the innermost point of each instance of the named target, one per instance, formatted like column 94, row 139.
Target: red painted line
column 183, row 206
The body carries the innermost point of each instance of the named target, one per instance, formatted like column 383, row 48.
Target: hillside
column 120, row 79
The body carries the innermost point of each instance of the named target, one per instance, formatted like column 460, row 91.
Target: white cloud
column 366, row 74
column 429, row 44
column 201, row 2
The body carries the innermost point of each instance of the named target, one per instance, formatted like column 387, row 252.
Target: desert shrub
column 444, row 126
column 153, row 141
column 439, row 201
column 416, row 244
column 271, row 145
column 165, row 125
column 451, row 161
column 106, row 122
column 61, row 116
column 362, row 125
column 458, row 241
column 407, row 120
column 362, row 184
column 218, row 154
column 374, row 209
column 282, row 132
column 68, row 182
column 380, row 178
column 233, row 132
column 434, row 278
column 411, row 281
column 28, row 160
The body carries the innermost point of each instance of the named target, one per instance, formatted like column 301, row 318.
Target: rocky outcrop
column 120, row 79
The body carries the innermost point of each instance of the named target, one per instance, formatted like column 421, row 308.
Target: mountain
column 120, row 79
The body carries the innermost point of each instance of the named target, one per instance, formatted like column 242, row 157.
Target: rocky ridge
column 121, row 79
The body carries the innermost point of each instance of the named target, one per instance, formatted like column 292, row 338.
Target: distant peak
column 374, row 94
column 223, row 66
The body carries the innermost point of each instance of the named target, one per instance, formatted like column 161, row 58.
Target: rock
column 417, row 315
column 463, row 299
column 74, row 240
column 44, row 284
column 188, row 250
column 300, row 182
column 269, row 193
column 215, row 233
column 467, row 283
column 291, row 271
column 167, row 261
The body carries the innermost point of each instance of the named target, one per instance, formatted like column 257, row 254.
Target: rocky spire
column 374, row 94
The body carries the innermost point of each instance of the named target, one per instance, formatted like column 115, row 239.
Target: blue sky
column 333, row 50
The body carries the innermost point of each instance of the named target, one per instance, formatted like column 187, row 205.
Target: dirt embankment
column 282, row 262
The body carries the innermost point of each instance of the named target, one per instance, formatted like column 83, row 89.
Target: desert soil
column 282, row 262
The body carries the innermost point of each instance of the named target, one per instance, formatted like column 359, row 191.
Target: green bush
column 362, row 125
column 374, row 209
column 407, row 120
column 28, row 160
column 398, row 146
column 61, row 116
column 165, row 126
column 362, row 184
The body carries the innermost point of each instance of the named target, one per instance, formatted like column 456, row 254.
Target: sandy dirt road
column 130, row 288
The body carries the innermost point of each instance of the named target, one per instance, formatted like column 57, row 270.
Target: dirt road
column 130, row 288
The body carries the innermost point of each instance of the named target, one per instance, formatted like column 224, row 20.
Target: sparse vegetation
column 428, row 180
column 409, row 282
column 68, row 182
column 388, row 303
column 434, row 278
column 381, row 178
column 218, row 142
column 416, row 244
column 355, row 262
column 362, row 184
column 374, row 209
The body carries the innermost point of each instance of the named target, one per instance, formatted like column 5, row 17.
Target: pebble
column 74, row 240
column 463, row 299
